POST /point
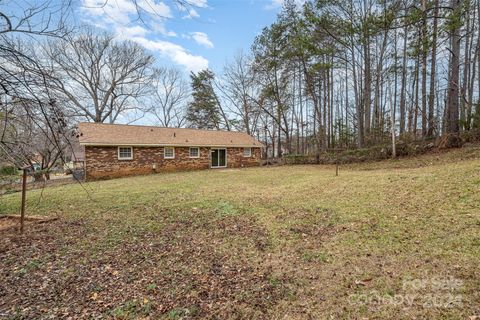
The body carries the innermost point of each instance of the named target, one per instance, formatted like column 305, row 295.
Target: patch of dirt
column 13, row 221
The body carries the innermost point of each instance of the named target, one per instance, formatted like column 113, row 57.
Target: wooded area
column 346, row 73
column 333, row 82
column 353, row 74
column 340, row 74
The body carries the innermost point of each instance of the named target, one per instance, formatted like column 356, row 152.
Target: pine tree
column 454, row 27
column 203, row 112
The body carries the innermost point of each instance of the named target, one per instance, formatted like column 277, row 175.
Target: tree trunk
column 433, row 70
column 404, row 82
column 367, row 85
column 358, row 104
column 466, row 68
column 452, row 112
column 424, row 48
column 473, row 71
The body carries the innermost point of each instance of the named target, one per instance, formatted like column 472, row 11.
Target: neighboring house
column 113, row 150
column 77, row 156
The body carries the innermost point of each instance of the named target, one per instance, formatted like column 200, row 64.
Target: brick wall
column 235, row 158
column 102, row 162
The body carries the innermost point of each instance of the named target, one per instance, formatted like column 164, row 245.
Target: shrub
column 450, row 141
column 299, row 159
column 473, row 135
column 374, row 153
column 8, row 171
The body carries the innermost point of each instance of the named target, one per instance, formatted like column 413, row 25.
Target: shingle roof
column 120, row 134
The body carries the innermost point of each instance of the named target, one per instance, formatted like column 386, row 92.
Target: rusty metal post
column 337, row 152
column 24, row 191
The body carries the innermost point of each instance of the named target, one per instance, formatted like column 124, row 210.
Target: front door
column 219, row 158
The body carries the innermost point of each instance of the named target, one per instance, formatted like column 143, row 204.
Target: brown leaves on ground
column 188, row 268
column 270, row 243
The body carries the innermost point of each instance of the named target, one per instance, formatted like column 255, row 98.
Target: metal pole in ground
column 336, row 161
column 24, row 191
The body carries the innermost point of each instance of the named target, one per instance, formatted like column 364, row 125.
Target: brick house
column 113, row 150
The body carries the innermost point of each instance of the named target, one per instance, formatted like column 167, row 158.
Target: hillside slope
column 386, row 240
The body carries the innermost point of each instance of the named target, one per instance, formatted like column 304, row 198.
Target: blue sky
column 207, row 34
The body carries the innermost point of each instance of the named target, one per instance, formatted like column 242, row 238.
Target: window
column 247, row 152
column 125, row 153
column 194, row 152
column 169, row 153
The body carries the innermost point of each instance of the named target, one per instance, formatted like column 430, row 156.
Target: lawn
column 388, row 240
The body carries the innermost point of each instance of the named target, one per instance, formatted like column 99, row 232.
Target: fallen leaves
column 188, row 267
column 363, row 282
column 273, row 243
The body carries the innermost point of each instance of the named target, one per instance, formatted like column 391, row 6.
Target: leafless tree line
column 329, row 74
column 349, row 74
column 53, row 74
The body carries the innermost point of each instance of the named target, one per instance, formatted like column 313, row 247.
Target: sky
column 206, row 34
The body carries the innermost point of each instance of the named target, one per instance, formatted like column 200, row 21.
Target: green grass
column 283, row 242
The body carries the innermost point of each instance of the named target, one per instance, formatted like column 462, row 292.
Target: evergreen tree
column 203, row 112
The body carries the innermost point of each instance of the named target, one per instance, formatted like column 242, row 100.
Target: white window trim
column 165, row 157
column 123, row 158
column 250, row 153
column 190, row 153
column 226, row 158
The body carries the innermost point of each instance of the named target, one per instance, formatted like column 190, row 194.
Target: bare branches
column 27, row 109
column 42, row 18
column 170, row 96
column 238, row 86
column 99, row 78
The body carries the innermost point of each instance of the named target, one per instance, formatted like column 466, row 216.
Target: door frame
column 226, row 157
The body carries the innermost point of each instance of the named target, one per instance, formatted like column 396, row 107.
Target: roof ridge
column 151, row 135
column 159, row 127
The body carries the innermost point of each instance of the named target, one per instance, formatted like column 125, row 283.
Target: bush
column 472, row 136
column 299, row 159
column 375, row 153
column 8, row 171
column 450, row 141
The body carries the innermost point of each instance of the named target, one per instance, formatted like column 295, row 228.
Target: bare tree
column 452, row 107
column 170, row 95
column 24, row 89
column 35, row 133
column 239, row 89
column 99, row 78
column 37, row 18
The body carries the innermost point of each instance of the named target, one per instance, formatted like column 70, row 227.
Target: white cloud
column 119, row 10
column 192, row 13
column 121, row 17
column 124, row 11
column 277, row 4
column 190, row 6
column 156, row 9
column 128, row 32
column 202, row 39
column 128, row 18
column 159, row 27
column 198, row 3
column 175, row 52
column 274, row 4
